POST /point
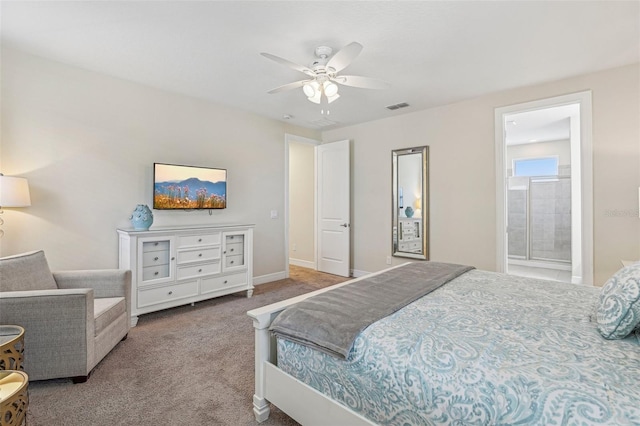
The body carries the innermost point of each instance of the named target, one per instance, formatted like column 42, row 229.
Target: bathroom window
column 543, row 166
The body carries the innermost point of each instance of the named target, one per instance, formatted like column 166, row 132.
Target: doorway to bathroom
column 544, row 191
column 539, row 196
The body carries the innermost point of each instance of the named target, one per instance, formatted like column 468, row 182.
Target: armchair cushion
column 27, row 271
column 106, row 311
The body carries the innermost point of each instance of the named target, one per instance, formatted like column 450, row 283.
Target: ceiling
column 541, row 125
column 431, row 52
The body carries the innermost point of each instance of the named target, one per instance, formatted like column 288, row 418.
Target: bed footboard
column 303, row 403
column 265, row 352
column 265, row 349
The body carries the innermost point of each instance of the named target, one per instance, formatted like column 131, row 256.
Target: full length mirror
column 410, row 176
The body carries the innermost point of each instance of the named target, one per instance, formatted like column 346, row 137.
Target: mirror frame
column 423, row 230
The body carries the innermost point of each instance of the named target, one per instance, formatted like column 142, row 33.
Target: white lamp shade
column 14, row 192
column 330, row 89
column 332, row 98
column 309, row 90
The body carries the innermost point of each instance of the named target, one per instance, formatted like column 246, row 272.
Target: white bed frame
column 300, row 401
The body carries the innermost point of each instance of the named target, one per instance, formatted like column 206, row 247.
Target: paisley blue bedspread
column 484, row 349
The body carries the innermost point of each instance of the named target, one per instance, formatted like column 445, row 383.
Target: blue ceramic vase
column 408, row 211
column 142, row 218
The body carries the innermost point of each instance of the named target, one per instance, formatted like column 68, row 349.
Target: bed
column 482, row 348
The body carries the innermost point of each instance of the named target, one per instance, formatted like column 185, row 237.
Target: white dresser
column 410, row 235
column 173, row 266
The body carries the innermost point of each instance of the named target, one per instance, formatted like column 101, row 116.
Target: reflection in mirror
column 410, row 177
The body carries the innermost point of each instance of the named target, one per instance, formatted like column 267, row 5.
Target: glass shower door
column 539, row 218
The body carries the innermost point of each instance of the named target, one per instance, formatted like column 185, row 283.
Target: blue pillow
column 619, row 303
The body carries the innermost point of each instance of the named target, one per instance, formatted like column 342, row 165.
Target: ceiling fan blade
column 361, row 82
column 343, row 58
column 289, row 86
column 289, row 64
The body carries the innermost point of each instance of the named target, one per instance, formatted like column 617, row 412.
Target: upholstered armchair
column 72, row 319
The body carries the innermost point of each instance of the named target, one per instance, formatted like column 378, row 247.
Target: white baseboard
column 540, row 264
column 302, row 263
column 355, row 273
column 576, row 280
column 263, row 279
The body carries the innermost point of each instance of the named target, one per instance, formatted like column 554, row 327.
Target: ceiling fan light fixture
column 316, row 97
column 330, row 89
column 332, row 98
column 309, row 90
column 322, row 75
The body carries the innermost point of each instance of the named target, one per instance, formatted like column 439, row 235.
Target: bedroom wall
column 560, row 148
column 462, row 172
column 87, row 144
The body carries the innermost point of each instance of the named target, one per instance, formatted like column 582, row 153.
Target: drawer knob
column 226, row 281
column 173, row 258
column 156, row 273
column 170, row 293
column 231, row 249
column 156, row 243
column 224, row 252
column 231, row 262
column 231, row 237
column 199, row 270
column 156, row 258
column 199, row 240
column 200, row 255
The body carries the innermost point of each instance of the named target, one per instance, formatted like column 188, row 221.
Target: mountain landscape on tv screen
column 191, row 193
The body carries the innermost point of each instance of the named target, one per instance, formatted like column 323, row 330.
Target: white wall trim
column 302, row 263
column 586, row 168
column 357, row 273
column 541, row 264
column 263, row 279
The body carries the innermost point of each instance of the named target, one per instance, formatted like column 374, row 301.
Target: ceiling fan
column 323, row 74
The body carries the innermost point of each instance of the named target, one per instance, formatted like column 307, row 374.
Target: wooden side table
column 14, row 397
column 11, row 347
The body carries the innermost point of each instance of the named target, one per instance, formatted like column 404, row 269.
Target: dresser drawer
column 219, row 283
column 199, row 240
column 153, row 258
column 155, row 272
column 168, row 293
column 198, row 270
column 155, row 246
column 235, row 238
column 234, row 261
column 410, row 246
column 234, row 248
column 186, row 256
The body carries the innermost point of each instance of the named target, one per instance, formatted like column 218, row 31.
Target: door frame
column 288, row 139
column 585, row 220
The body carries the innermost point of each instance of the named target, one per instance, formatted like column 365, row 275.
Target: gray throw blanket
column 331, row 321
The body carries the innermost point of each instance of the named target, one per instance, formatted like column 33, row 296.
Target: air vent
column 323, row 122
column 397, row 106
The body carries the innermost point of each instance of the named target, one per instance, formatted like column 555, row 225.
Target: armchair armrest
column 104, row 282
column 59, row 329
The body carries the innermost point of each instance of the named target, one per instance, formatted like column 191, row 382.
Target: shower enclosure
column 539, row 217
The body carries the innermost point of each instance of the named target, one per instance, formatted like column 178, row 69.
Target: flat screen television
column 178, row 187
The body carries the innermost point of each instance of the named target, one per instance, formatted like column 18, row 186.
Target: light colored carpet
column 182, row 366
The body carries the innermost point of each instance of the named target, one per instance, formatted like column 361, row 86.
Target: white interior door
column 334, row 199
